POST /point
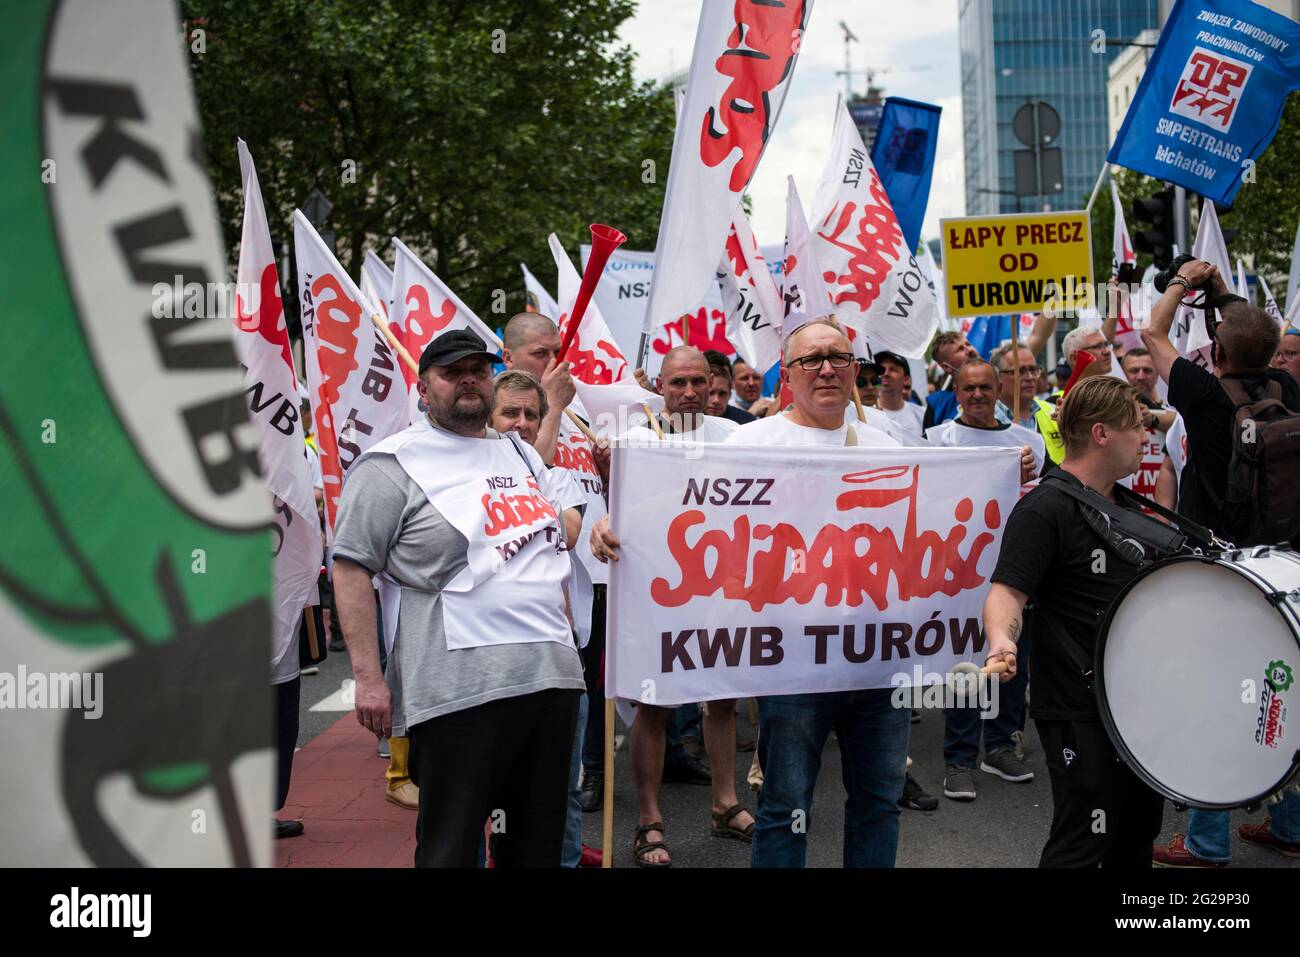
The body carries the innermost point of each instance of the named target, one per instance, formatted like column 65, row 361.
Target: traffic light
column 1158, row 210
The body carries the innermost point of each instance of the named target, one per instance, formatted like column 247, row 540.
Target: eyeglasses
column 1026, row 372
column 838, row 360
column 1099, row 347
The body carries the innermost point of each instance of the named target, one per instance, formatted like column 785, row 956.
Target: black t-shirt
column 739, row 416
column 1050, row 553
column 1207, row 416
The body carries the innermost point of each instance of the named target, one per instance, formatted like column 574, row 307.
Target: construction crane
column 848, row 72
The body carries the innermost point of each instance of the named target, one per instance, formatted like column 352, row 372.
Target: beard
column 461, row 417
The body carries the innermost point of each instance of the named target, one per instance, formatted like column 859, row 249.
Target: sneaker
column 1018, row 744
column 336, row 644
column 592, row 795
column 285, row 829
column 915, row 797
column 405, row 795
column 916, row 716
column 383, row 749
column 1177, row 855
column 590, row 857
column 693, row 746
column 959, row 784
column 309, row 670
column 687, row 771
column 1007, row 766
column 1261, row 835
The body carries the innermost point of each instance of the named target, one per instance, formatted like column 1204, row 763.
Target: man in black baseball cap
column 456, row 382
column 893, row 397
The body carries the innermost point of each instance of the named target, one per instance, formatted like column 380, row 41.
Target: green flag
column 134, row 566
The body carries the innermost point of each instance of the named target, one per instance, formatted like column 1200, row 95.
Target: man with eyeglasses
column 1288, row 354
column 1088, row 339
column 1037, row 415
column 819, row 368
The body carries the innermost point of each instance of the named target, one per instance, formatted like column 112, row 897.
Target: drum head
column 1193, row 679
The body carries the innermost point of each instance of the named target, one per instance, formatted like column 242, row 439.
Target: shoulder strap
column 1146, row 531
column 1204, row 535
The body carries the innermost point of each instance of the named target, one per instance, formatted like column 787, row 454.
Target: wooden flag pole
column 397, row 346
column 582, row 426
column 654, row 420
column 607, row 822
column 857, row 403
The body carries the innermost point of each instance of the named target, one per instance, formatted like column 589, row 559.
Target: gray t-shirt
column 387, row 524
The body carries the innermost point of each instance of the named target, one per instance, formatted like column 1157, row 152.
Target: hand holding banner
column 762, row 571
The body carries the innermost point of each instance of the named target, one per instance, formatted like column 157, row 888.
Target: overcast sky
column 897, row 36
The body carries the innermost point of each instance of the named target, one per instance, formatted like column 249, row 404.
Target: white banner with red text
column 758, row 571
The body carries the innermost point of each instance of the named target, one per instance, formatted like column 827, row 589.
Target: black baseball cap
column 893, row 357
column 452, row 347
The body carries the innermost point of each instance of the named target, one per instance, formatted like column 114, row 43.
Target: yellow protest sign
column 994, row 265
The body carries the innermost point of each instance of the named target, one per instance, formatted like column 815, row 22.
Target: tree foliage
column 476, row 127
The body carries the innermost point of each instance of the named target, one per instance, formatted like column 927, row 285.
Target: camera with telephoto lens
column 1162, row 278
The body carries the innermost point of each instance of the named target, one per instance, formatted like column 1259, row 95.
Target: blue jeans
column 962, row 727
column 873, row 750
column 1207, row 831
column 683, row 719
column 573, row 822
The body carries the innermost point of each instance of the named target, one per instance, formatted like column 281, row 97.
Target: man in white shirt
column 894, row 393
column 976, row 424
column 684, row 383
column 819, row 368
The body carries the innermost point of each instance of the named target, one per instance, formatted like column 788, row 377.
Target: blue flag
column 1212, row 95
column 989, row 332
column 906, row 142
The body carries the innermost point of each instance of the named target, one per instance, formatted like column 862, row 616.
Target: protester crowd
column 488, row 697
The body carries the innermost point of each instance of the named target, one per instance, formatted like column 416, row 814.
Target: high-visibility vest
column 1049, row 430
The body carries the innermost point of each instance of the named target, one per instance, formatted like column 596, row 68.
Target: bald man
column 683, row 381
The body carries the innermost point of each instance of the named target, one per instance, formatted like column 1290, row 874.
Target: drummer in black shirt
column 1243, row 348
column 1102, row 813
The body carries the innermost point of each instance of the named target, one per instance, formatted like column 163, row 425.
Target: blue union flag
column 1212, row 96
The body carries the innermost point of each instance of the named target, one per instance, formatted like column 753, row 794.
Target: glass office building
column 1015, row 51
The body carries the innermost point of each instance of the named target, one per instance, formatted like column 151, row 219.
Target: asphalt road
column 1004, row 827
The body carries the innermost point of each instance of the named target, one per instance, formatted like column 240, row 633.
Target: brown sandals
column 722, row 825
column 641, row 844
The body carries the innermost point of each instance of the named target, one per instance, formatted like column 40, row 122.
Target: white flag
column 613, row 409
column 262, row 343
column 594, row 355
column 1241, row 279
column 358, row 392
column 744, row 58
column 876, row 283
column 752, row 301
column 1190, row 323
column 934, row 279
column 1122, row 254
column 804, row 293
column 539, row 300
column 1270, row 304
column 377, row 281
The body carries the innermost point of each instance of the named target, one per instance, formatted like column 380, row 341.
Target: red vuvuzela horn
column 604, row 240
column 1082, row 360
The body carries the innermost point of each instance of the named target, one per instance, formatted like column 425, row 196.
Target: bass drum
column 1195, row 675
